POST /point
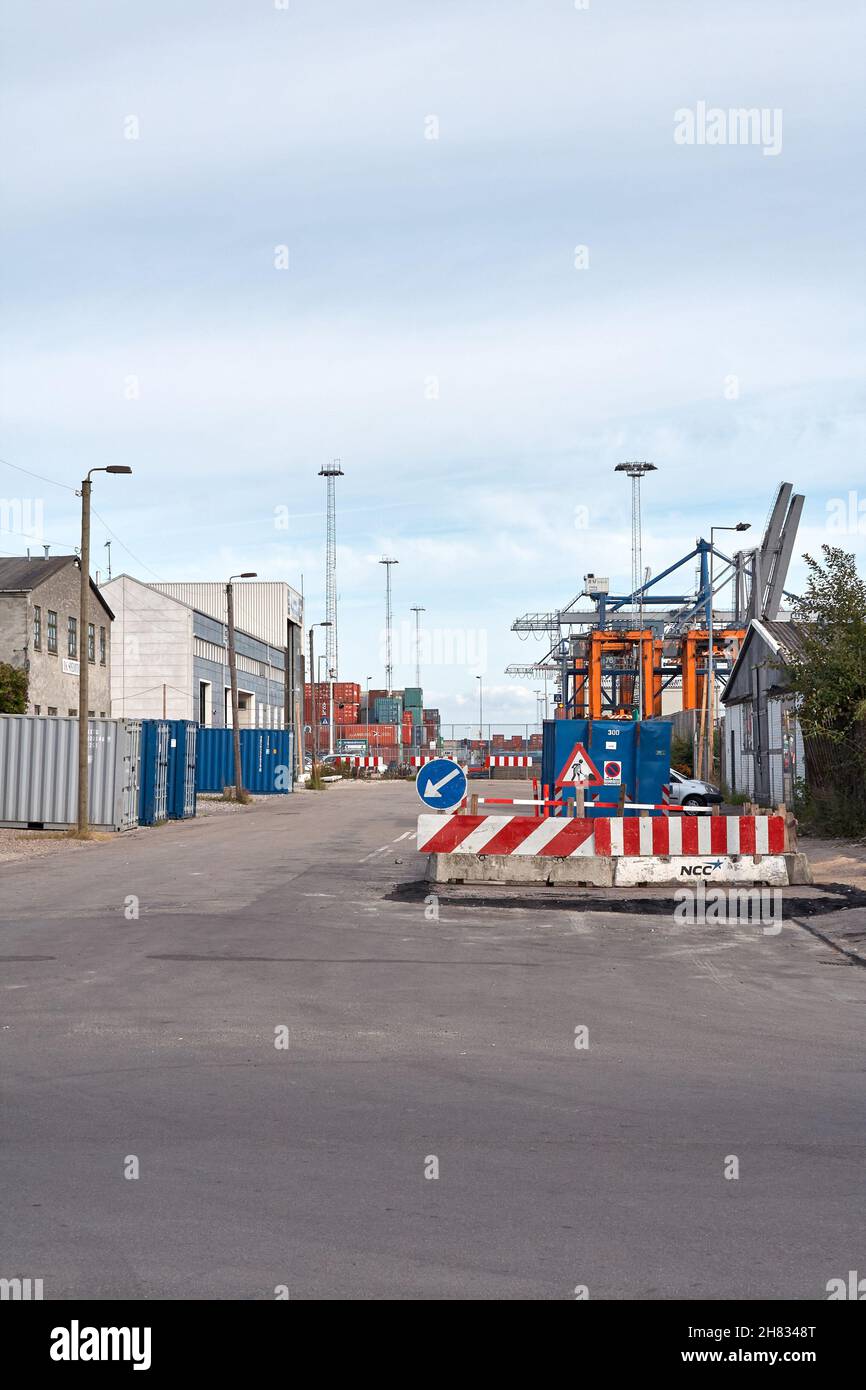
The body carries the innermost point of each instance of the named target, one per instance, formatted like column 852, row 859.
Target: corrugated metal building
column 170, row 657
column 762, row 751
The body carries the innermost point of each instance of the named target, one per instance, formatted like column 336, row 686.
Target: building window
column 102, row 646
column 72, row 713
column 91, row 642
column 37, row 628
column 91, row 714
column 52, row 633
column 72, row 637
column 37, row 709
column 52, row 709
column 102, row 714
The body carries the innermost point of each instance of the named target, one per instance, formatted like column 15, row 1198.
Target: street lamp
column 480, row 708
column 83, row 669
column 636, row 470
column 367, row 712
column 314, row 718
column 233, row 677
column 711, row 676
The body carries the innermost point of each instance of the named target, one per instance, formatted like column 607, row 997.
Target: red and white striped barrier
column 377, row 764
column 562, row 837
column 508, row 760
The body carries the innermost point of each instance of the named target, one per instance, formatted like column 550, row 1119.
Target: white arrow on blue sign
column 441, row 784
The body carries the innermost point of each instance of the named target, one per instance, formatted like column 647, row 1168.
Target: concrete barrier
column 608, row 852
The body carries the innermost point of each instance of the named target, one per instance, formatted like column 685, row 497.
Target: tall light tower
column 331, row 472
column 636, row 470
column 418, row 610
column 389, row 669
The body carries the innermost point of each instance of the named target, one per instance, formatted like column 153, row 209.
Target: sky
column 459, row 246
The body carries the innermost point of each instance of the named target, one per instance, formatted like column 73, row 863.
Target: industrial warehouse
column 432, row 675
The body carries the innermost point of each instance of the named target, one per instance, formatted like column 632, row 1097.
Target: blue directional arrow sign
column 441, row 784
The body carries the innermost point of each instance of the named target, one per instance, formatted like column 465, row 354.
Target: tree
column 13, row 689
column 829, row 673
column 828, row 676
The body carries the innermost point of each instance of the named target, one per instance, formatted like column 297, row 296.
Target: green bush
column 682, row 755
column 13, row 689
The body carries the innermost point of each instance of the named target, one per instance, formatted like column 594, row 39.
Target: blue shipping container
column 154, row 771
column 266, row 761
column 180, row 801
column 634, row 755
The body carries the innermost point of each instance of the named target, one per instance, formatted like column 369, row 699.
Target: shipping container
column 153, row 776
column 266, row 761
column 413, row 696
column 39, row 772
column 431, row 714
column 388, row 710
column 630, row 755
column 181, row 768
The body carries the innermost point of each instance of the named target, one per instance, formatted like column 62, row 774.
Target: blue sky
column 146, row 268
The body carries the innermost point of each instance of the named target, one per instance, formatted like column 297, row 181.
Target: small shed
column 762, row 752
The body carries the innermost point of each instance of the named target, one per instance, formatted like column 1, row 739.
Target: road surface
column 414, row 1045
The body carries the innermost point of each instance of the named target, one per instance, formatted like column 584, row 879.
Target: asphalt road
column 409, row 1039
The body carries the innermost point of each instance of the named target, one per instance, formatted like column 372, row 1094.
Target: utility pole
column 331, row 473
column 108, row 548
column 389, row 669
column 233, row 677
column 480, row 708
column 314, row 718
column 418, row 610
column 636, row 469
column 83, row 663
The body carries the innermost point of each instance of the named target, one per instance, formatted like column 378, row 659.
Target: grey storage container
column 39, row 772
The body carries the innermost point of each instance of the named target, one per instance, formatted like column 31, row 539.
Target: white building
column 170, row 652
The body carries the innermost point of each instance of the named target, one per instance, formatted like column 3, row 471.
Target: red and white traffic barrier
column 357, row 760
column 603, row 837
column 508, row 760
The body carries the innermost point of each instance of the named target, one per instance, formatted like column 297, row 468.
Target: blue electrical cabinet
column 154, row 771
column 180, row 801
column 634, row 755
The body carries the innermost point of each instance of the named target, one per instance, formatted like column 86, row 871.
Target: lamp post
column 480, row 708
column 711, row 675
column 367, row 713
column 233, row 677
column 83, row 670
column 313, row 711
column 636, row 470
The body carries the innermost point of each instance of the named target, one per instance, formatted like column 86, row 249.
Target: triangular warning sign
column 579, row 770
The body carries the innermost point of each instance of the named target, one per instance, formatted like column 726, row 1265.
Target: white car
column 691, row 792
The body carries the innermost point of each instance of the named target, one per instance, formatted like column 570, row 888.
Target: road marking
column 373, row 852
column 407, row 835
